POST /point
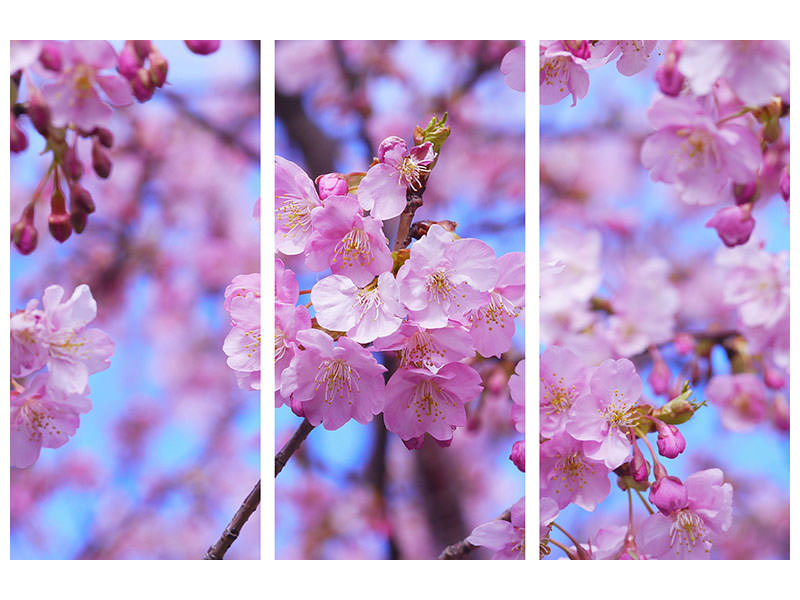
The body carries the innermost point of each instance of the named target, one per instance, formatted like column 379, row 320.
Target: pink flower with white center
column 243, row 343
column 295, row 198
column 698, row 154
column 444, row 278
column 419, row 401
column 43, row 417
column 756, row 70
column 286, row 289
column 427, row 348
column 513, row 67
column 560, row 74
column 73, row 351
column 289, row 320
column 347, row 242
column 516, row 387
column 73, row 98
column 741, row 398
column 29, row 350
column 757, row 282
column 562, row 380
column 364, row 313
column 568, row 476
column 634, row 55
column 383, row 189
column 506, row 538
column 334, row 383
column 603, row 417
column 686, row 533
column 492, row 325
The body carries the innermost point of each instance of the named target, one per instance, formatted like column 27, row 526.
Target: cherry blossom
column 513, row 67
column 506, row 538
column 742, row 399
column 430, row 348
column 567, row 475
column 562, row 380
column 560, row 74
column 243, row 343
column 295, row 198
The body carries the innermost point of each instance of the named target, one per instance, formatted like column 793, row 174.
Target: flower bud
column 19, row 141
column 78, row 219
column 39, row 112
column 659, row 376
column 128, row 61
column 24, row 234
column 435, row 132
column 669, row 494
column 670, row 79
column 202, row 47
column 745, row 193
column 518, row 455
column 773, row 378
column 578, row 48
column 783, row 184
column 142, row 48
column 158, row 68
column 50, row 56
column 733, row 224
column 104, row 136
column 639, row 468
column 684, row 343
column 670, row 441
column 780, row 413
column 73, row 167
column 58, row 222
column 80, row 199
column 101, row 163
column 332, row 184
column 142, row 85
column 415, row 443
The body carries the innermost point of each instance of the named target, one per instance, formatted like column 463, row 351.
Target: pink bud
column 773, row 378
column 142, row 85
column 745, row 193
column 158, row 68
column 783, row 184
column 19, row 141
column 104, row 136
column 670, row 80
column 101, row 163
column 578, row 48
column 78, row 220
column 659, row 376
column 24, row 234
column 80, row 199
column 733, row 224
column 332, row 184
column 128, row 61
column 415, row 443
column 669, row 494
column 518, row 455
column 670, row 441
column 639, row 468
column 202, row 47
column 59, row 224
column 50, row 56
column 142, row 48
column 39, row 112
column 73, row 167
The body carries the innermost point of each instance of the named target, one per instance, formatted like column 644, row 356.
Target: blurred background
column 357, row 492
column 171, row 447
column 591, row 178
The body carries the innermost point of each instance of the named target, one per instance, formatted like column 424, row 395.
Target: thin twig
column 460, row 549
column 290, row 447
column 217, row 551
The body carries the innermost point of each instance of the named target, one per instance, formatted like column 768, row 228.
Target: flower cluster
column 45, row 405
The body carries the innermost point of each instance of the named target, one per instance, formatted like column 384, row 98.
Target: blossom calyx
column 435, row 132
column 679, row 409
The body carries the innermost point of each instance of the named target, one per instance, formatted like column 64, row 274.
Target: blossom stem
column 217, row 550
column 290, row 447
column 646, row 504
column 738, row 113
column 301, row 292
column 570, row 554
column 650, row 447
column 566, row 533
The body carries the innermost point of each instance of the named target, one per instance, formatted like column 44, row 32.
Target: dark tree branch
column 217, row 551
column 460, row 549
column 290, row 447
column 317, row 148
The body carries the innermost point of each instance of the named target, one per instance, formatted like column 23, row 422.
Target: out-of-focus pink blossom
column 507, row 539
column 634, row 55
column 513, row 67
column 516, row 386
column 742, row 399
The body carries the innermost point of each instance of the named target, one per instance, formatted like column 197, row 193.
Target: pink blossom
column 686, row 533
column 427, row 348
column 29, row 349
column 243, row 343
column 668, row 494
column 604, row 416
column 516, row 387
column 697, row 154
column 334, row 383
column 513, row 67
column 562, row 380
column 286, row 289
column 444, row 278
column 383, row 189
column 756, row 70
column 364, row 313
column 419, row 401
column 634, row 55
column 73, row 98
column 347, row 242
column 734, row 224
column 43, row 417
column 560, row 74
column 518, row 455
column 295, row 198
column 289, row 320
column 742, row 399
column 24, row 53
column 567, row 475
column 507, row 539
column 492, row 325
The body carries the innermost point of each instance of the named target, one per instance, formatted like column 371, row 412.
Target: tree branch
column 289, row 448
column 217, row 551
column 460, row 549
